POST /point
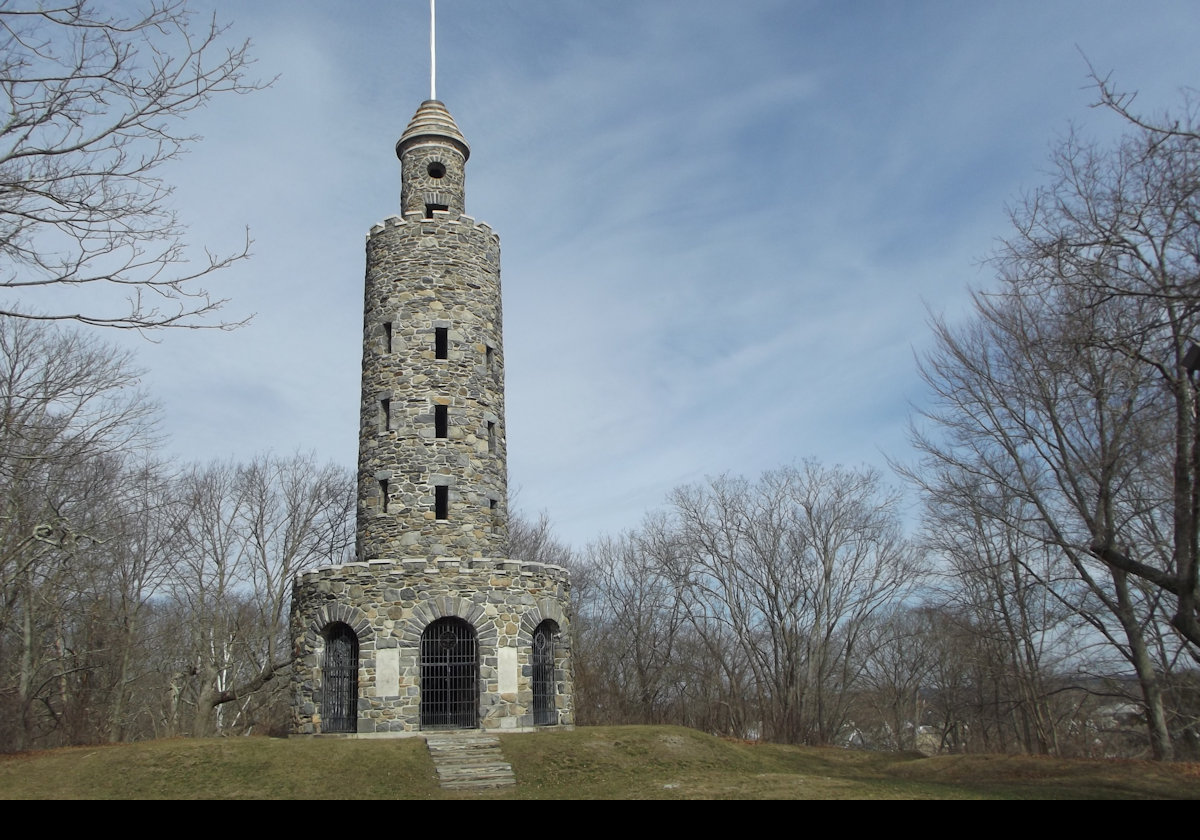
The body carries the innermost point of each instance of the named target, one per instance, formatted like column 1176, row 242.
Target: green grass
column 610, row 762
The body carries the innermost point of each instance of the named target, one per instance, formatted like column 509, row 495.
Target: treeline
column 792, row 609
column 139, row 599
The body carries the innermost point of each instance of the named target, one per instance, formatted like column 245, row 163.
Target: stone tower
column 432, row 627
column 431, row 462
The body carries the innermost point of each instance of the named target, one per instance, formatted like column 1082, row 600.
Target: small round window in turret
column 437, row 170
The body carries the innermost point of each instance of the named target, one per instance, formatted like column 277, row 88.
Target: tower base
column 422, row 644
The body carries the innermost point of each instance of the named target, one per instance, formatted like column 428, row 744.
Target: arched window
column 449, row 675
column 339, row 706
column 545, row 712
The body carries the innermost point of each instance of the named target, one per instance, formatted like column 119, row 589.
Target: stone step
column 464, row 754
column 463, row 746
column 459, row 774
column 475, row 785
column 494, row 763
column 469, row 760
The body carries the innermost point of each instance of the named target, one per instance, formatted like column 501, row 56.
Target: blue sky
column 721, row 223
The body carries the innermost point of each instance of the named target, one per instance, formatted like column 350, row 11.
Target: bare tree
column 1068, row 396
column 1020, row 599
column 246, row 530
column 794, row 568
column 297, row 515
column 139, row 558
column 93, row 107
column 1117, row 235
column 897, row 668
column 631, row 623
column 1025, row 412
column 533, row 541
column 744, row 608
column 70, row 415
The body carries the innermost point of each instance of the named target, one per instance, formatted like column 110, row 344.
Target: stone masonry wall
column 419, row 188
column 422, row 275
column 388, row 605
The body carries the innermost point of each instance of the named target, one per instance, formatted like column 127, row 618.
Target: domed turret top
column 432, row 121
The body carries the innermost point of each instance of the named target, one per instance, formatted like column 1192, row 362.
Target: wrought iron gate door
column 543, row 675
column 449, row 675
column 340, row 712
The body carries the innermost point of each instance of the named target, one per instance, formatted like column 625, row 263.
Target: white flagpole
column 432, row 50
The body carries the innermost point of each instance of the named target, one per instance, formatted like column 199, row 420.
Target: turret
column 433, row 156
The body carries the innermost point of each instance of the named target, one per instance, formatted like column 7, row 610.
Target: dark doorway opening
column 339, row 712
column 544, row 711
column 449, row 675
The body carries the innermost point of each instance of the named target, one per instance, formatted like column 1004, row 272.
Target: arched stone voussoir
column 487, row 633
column 547, row 608
column 346, row 614
column 446, row 606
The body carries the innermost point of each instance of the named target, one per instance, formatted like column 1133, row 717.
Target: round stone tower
column 431, row 459
column 432, row 627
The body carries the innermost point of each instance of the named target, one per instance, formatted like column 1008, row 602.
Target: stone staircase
column 469, row 760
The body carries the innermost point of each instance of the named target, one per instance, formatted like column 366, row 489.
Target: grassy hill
column 617, row 762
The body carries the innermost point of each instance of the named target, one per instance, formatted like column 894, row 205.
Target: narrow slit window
column 491, row 437
column 387, row 336
column 441, row 343
column 490, row 358
column 385, row 415
column 441, row 501
column 441, row 421
column 494, row 510
column 383, row 494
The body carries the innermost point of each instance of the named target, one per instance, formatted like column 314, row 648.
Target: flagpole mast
column 432, row 50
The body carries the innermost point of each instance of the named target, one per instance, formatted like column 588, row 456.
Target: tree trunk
column 1147, row 675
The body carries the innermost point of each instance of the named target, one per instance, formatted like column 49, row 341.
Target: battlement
column 440, row 217
column 434, row 565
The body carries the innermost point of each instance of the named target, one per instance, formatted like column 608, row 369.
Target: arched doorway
column 545, row 712
column 449, row 675
column 339, row 712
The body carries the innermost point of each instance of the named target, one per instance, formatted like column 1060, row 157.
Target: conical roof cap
column 432, row 120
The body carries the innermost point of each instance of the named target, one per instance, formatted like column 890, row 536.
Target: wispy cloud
column 721, row 222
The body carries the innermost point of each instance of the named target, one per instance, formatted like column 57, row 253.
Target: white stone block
column 387, row 672
column 506, row 664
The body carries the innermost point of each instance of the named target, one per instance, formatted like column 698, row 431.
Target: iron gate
column 340, row 690
column 449, row 675
column 544, row 713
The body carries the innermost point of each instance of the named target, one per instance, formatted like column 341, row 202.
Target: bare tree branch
column 93, row 107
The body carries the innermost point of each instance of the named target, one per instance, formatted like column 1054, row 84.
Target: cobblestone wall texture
column 424, row 275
